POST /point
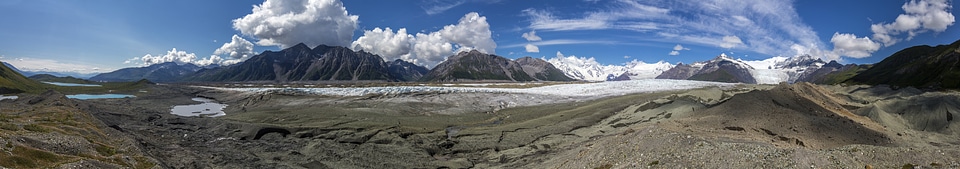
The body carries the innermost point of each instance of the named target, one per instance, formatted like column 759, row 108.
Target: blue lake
column 98, row 96
column 72, row 84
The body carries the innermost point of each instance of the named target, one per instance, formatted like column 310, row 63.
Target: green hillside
column 12, row 82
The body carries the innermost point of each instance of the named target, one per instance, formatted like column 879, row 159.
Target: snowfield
column 599, row 89
column 769, row 76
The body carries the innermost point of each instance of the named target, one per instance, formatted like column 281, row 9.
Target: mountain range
column 589, row 70
column 300, row 63
column 720, row 69
column 406, row 71
column 163, row 72
column 919, row 66
column 474, row 65
column 58, row 74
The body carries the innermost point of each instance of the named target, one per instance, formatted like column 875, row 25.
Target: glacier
column 598, row 89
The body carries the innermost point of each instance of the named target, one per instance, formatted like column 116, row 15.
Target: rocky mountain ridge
column 720, row 69
column 163, row 72
column 476, row 66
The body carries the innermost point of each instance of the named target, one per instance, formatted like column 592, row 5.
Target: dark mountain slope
column 163, row 72
column 474, row 65
column 300, row 63
column 918, row 66
column 542, row 70
column 406, row 71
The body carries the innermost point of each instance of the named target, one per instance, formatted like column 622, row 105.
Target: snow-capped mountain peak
column 587, row 68
column 641, row 70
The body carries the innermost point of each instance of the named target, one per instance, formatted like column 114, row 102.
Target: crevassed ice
column 585, row 89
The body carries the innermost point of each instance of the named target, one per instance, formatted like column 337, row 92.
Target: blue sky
column 97, row 36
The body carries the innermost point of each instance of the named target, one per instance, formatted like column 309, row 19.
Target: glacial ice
column 612, row 88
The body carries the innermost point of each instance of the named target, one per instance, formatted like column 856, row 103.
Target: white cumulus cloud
column 730, row 42
column 386, row 43
column 179, row 57
column 285, row 23
column 851, row 46
column 173, row 55
column 237, row 49
column 919, row 17
column 677, row 49
column 214, row 59
column 472, row 32
column 531, row 36
column 532, row 48
column 430, row 49
column 674, row 53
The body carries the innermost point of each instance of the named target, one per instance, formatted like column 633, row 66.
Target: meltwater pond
column 207, row 108
column 72, row 84
column 2, row 97
column 98, row 96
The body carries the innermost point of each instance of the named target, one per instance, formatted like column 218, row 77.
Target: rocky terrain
column 50, row 131
column 743, row 126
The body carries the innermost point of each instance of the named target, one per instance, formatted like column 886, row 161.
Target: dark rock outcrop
column 474, row 65
column 542, row 70
column 720, row 69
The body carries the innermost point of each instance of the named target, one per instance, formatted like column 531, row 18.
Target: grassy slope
column 13, row 82
column 56, row 118
column 842, row 75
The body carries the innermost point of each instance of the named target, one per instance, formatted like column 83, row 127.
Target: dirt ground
column 749, row 126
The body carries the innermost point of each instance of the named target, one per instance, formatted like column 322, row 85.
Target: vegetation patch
column 9, row 126
column 24, row 157
column 36, row 128
column 604, row 166
column 105, row 150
